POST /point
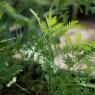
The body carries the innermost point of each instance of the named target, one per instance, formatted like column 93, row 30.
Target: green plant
column 37, row 52
column 63, row 82
column 15, row 33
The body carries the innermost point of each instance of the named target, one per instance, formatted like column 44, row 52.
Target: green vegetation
column 30, row 41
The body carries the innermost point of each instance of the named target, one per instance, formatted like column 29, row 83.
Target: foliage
column 35, row 70
column 83, row 6
column 72, row 54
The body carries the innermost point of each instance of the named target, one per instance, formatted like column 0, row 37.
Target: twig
column 23, row 89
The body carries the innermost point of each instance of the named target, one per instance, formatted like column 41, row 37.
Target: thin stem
column 23, row 89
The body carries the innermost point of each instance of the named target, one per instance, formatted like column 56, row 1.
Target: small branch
column 23, row 89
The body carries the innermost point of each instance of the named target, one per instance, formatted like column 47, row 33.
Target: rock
column 59, row 61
